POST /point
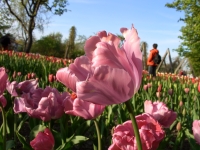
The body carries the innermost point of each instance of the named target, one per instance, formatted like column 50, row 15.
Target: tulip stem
column 98, row 134
column 4, row 126
column 134, row 123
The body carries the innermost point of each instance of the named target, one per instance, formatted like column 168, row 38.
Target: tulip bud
column 33, row 75
column 159, row 88
column 158, row 94
column 28, row 76
column 145, row 87
column 181, row 103
column 178, row 126
column 186, row 90
column 149, row 85
column 184, row 112
column 170, row 92
column 51, row 79
column 19, row 73
column 14, row 74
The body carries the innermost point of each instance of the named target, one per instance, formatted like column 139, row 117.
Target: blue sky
column 154, row 22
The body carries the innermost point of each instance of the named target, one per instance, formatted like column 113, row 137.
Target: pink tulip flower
column 44, row 104
column 160, row 112
column 151, row 134
column 43, row 141
column 3, row 100
column 107, row 74
column 16, row 89
column 84, row 109
column 196, row 130
column 3, row 80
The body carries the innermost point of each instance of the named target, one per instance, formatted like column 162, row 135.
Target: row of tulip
column 99, row 93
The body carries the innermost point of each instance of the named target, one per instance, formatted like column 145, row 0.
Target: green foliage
column 190, row 37
column 50, row 45
column 33, row 14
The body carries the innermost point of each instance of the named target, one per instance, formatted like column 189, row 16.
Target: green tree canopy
column 30, row 14
column 190, row 46
column 50, row 45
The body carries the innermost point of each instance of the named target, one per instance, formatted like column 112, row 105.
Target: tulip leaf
column 22, row 122
column 36, row 130
column 64, row 146
column 22, row 139
column 94, row 147
column 77, row 139
column 193, row 143
column 10, row 144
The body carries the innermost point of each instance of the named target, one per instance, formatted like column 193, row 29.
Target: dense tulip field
column 103, row 100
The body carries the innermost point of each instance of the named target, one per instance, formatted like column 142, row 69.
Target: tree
column 190, row 37
column 6, row 20
column 33, row 16
column 144, row 47
column 50, row 45
column 70, row 46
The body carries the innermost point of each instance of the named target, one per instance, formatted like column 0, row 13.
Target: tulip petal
column 96, row 89
column 78, row 71
column 19, row 105
column 3, row 100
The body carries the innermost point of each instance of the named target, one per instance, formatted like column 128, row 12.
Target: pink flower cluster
column 150, row 124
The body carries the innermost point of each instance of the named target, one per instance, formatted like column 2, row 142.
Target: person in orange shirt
column 150, row 62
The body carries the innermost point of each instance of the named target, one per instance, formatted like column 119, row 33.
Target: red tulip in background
column 45, row 104
column 199, row 86
column 159, row 88
column 3, row 80
column 160, row 112
column 151, row 134
column 107, row 74
column 196, row 130
column 43, row 141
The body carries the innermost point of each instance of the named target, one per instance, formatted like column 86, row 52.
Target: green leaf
column 10, row 144
column 36, row 130
column 64, row 146
column 22, row 139
column 22, row 122
column 94, row 147
column 193, row 143
column 77, row 139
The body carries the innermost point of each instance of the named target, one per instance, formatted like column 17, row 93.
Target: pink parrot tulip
column 84, row 109
column 3, row 100
column 160, row 112
column 16, row 89
column 151, row 134
column 43, row 141
column 196, row 130
column 44, row 104
column 107, row 74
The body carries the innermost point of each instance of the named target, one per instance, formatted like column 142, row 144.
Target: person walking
column 150, row 61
